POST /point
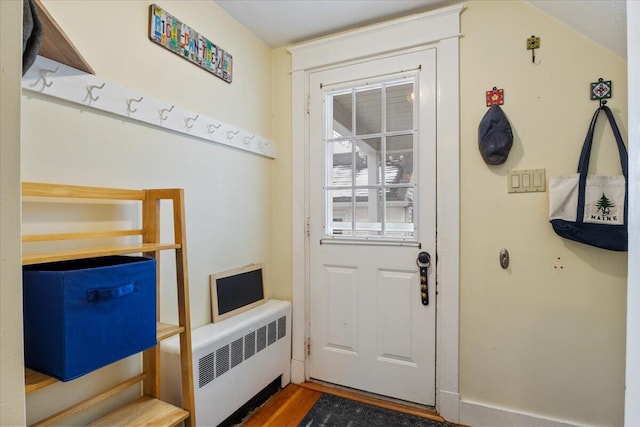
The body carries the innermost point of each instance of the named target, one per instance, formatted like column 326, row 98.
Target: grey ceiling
column 283, row 22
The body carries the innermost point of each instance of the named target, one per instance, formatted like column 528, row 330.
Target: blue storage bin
column 85, row 314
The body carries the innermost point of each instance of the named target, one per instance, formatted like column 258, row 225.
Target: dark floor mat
column 334, row 411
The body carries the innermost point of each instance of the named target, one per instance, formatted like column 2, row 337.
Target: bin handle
column 104, row 294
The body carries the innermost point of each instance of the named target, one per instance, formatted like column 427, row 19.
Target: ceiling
column 284, row 22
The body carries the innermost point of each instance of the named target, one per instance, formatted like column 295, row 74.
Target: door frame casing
column 440, row 30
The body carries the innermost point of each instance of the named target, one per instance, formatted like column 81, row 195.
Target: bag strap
column 585, row 157
column 585, row 153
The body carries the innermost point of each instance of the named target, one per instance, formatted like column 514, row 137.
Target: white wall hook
column 129, row 101
column 90, row 91
column 166, row 111
column 189, row 119
column 57, row 80
column 262, row 145
column 44, row 74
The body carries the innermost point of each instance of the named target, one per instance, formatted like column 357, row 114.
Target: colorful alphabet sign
column 166, row 30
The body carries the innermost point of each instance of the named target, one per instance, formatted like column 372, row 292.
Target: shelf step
column 145, row 411
column 70, row 254
column 166, row 330
column 35, row 380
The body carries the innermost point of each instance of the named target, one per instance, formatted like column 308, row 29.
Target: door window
column 370, row 151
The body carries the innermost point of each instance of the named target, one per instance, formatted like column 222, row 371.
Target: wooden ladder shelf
column 149, row 409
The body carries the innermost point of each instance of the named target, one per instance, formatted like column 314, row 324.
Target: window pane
column 399, row 222
column 339, row 224
column 368, row 161
column 340, row 163
column 399, row 161
column 343, row 114
column 369, row 111
column 369, row 180
column 400, row 107
column 368, row 212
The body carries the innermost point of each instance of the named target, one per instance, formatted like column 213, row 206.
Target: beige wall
column 11, row 371
column 281, row 169
column 113, row 37
column 228, row 192
column 547, row 335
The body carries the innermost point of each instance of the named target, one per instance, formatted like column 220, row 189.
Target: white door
column 372, row 211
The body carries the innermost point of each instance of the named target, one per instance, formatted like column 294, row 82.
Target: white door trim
column 439, row 29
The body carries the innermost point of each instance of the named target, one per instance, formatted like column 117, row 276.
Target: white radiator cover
column 232, row 360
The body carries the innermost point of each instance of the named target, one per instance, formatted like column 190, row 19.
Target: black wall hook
column 601, row 91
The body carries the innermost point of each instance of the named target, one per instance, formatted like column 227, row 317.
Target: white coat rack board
column 54, row 79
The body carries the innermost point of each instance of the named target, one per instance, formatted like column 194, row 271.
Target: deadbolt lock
column 424, row 261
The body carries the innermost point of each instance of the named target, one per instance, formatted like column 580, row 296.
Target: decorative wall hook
column 90, row 91
column 191, row 119
column 212, row 128
column 247, row 139
column 231, row 134
column 495, row 97
column 44, row 73
column 533, row 43
column 601, row 90
column 164, row 113
column 130, row 100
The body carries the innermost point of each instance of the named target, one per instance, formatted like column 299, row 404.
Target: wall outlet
column 526, row 181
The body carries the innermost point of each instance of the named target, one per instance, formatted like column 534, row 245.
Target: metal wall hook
column 165, row 111
column 90, row 91
column 247, row 139
column 44, row 73
column 129, row 101
column 495, row 96
column 533, row 43
column 601, row 91
column 48, row 77
column 191, row 119
column 263, row 144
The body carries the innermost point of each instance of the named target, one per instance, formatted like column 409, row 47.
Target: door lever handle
column 424, row 261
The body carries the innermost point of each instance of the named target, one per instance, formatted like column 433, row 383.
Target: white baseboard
column 481, row 415
column 297, row 371
column 449, row 406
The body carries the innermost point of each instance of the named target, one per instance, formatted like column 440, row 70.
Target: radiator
column 232, row 360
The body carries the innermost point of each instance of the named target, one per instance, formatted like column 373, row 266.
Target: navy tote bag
column 592, row 209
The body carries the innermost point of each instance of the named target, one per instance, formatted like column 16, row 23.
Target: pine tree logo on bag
column 603, row 212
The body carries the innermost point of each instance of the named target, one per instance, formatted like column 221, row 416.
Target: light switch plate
column 526, row 181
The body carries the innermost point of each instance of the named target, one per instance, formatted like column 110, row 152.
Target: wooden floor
column 289, row 406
